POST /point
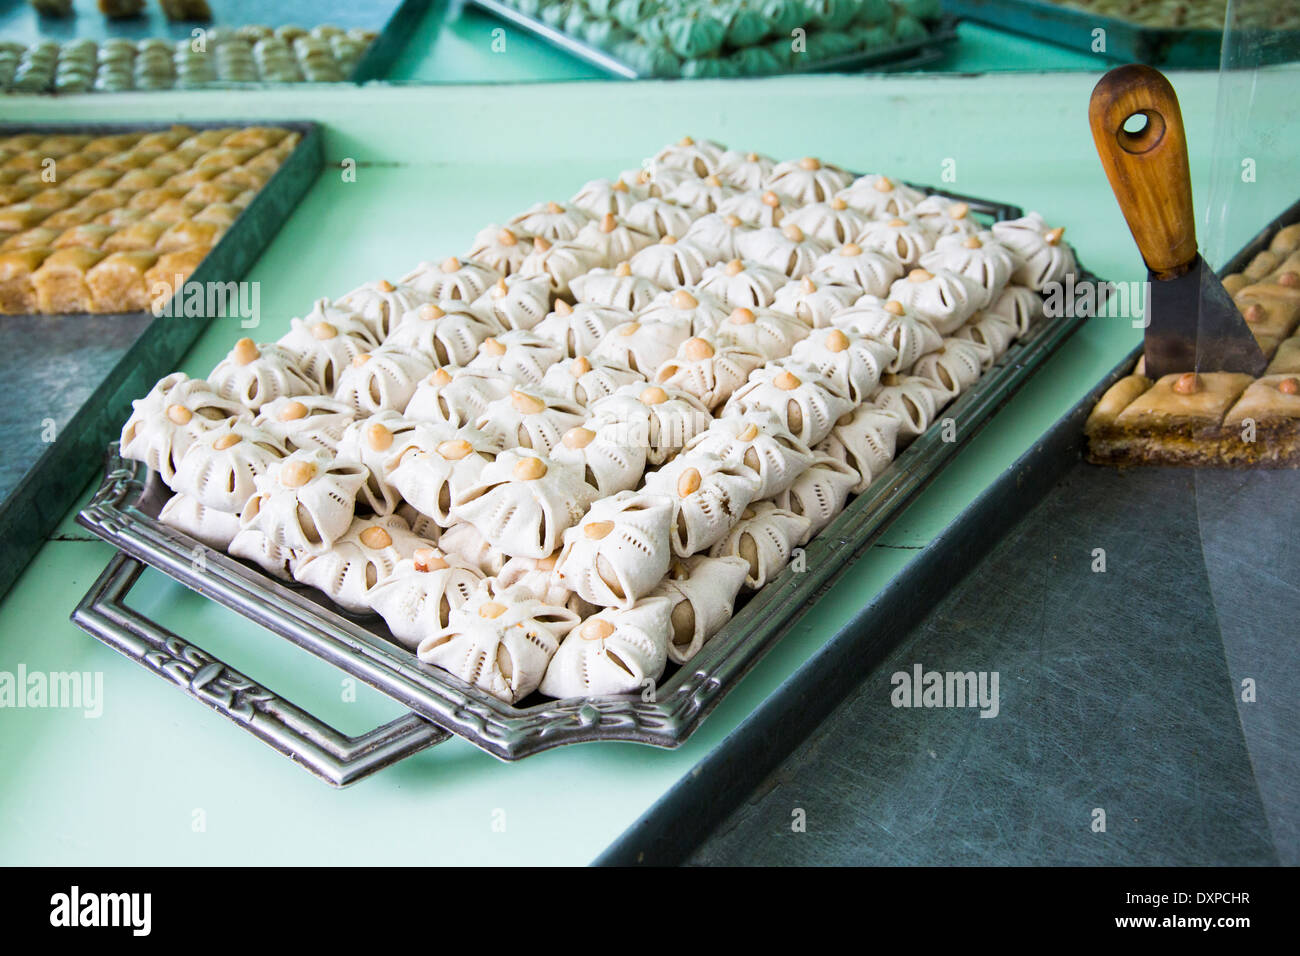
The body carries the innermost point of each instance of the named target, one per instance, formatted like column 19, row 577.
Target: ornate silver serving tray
column 124, row 513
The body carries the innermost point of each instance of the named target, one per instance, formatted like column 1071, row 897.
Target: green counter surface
column 159, row 779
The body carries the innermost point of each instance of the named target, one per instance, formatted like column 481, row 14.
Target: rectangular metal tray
column 393, row 20
column 903, row 56
column 123, row 512
column 75, row 375
column 1125, row 41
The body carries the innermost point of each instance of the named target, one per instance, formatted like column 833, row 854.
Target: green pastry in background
column 783, row 15
column 745, row 26
column 831, row 14
column 755, row 61
column 693, row 35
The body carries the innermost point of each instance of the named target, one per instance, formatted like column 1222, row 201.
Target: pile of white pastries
column 554, row 464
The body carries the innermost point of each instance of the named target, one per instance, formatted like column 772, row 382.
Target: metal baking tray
column 72, row 377
column 123, row 513
column 1126, row 41
column 393, row 20
column 903, row 56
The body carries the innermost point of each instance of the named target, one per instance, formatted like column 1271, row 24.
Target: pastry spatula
column 1192, row 324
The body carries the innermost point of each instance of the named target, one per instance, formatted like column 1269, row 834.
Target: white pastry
column 464, row 543
column 1044, row 257
column 601, row 196
column 763, row 538
column 760, row 442
column 659, row 218
column 915, row 400
column 868, row 269
column 421, row 524
column 551, row 221
column 701, row 592
column 210, row 527
column 709, row 494
column 642, row 346
column 804, row 401
column 380, row 304
column 787, row 249
column 375, row 439
column 946, row 217
column 560, row 262
column 744, row 170
column 452, row 278
column 304, row 502
column 420, row 592
column 954, row 367
column 996, row 332
column 980, row 257
column 383, row 379
column 759, row 208
column 256, row 374
column 815, row 300
column 220, row 467
column 531, row 417
column 620, row 550
column 710, row 373
column 701, row 196
column 537, row 577
column 610, row 461
column 363, row 557
column 515, row 302
column 771, row 334
column 326, row 341
column 654, row 182
column 670, row 263
column 457, row 396
column 1020, row 304
column 521, row 356
column 612, row 240
column 500, row 249
column 832, row 221
column 252, row 545
column 853, row 362
column 432, row 476
column 819, row 494
column 699, row 311
column 716, row 234
column 444, row 334
column 659, row 418
column 616, row 287
column 890, row 322
column 699, row 157
column 613, row 652
column 905, row 239
column 165, row 422
column 943, row 298
column 866, row 440
column 808, row 180
column 523, row 503
column 878, row 197
column 579, row 329
column 580, row 381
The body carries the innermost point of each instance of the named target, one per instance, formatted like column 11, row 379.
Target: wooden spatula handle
column 1148, row 169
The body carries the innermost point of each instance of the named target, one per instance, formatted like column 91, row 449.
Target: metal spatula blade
column 1192, row 324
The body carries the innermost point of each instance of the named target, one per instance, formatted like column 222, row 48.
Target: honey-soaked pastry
column 550, row 221
column 864, row 439
column 385, row 378
column 17, row 291
column 304, row 502
column 523, row 502
column 617, row 287
column 117, row 283
column 141, row 235
column 448, row 333
column 771, row 334
column 419, row 593
column 175, row 413
column 38, row 238
column 380, row 304
column 362, row 558
column 620, row 551
column 210, row 527
column 60, row 282
column 613, row 652
column 172, row 268
column 819, row 493
column 515, row 302
column 306, row 422
column 500, row 640
column 253, row 374
column 763, row 538
column 220, row 468
column 89, row 235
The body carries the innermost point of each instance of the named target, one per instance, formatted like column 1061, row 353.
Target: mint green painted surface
column 448, row 47
column 435, row 164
